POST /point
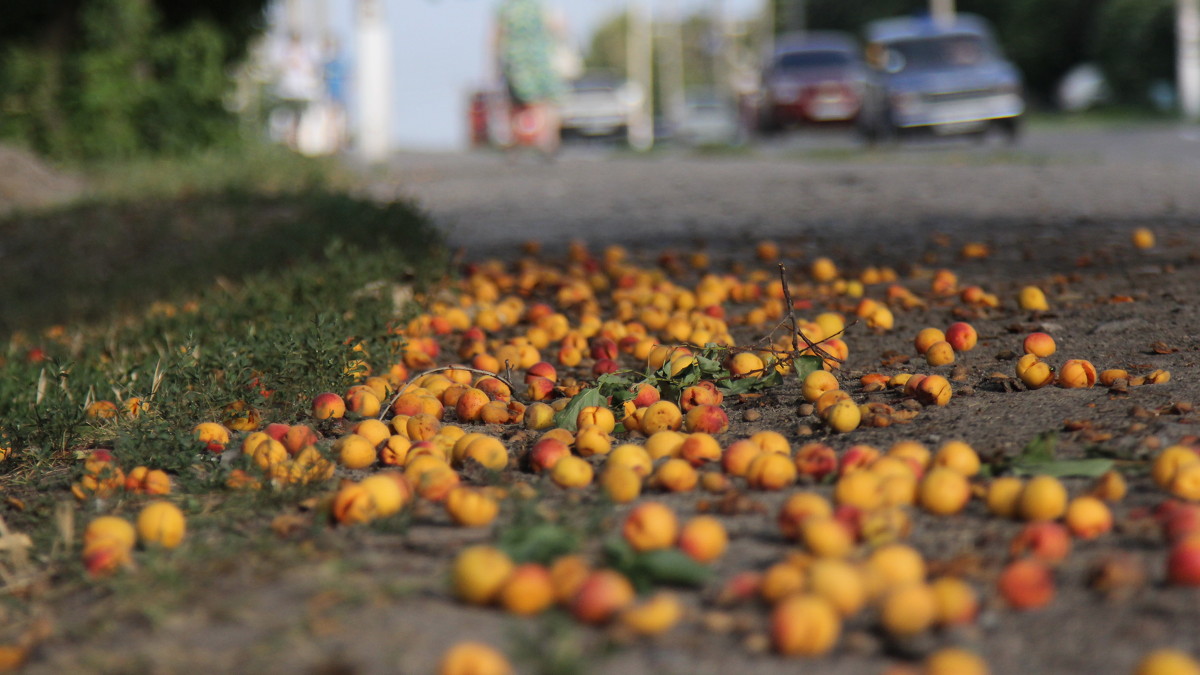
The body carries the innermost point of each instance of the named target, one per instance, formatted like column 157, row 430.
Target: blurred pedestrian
column 525, row 51
column 298, row 84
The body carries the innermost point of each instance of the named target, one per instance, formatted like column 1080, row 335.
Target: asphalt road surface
column 1057, row 176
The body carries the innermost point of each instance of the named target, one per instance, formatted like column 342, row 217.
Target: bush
column 110, row 81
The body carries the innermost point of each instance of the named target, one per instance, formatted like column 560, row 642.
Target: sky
column 440, row 52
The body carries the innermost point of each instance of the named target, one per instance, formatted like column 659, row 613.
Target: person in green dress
column 525, row 45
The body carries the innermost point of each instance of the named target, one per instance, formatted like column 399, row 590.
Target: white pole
column 639, row 63
column 672, row 66
column 942, row 11
column 1187, row 57
column 373, row 82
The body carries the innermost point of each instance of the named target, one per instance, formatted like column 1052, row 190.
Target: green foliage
column 108, row 79
column 647, row 569
column 1037, row 458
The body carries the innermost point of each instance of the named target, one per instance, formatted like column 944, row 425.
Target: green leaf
column 1040, row 449
column 672, row 567
column 807, row 364
column 540, row 543
column 1087, row 468
column 566, row 417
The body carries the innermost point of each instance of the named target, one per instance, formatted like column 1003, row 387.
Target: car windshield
column 813, row 59
column 937, row 52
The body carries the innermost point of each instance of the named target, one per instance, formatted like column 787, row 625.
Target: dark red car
column 812, row 78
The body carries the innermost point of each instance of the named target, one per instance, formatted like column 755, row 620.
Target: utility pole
column 942, row 11
column 639, row 66
column 1187, row 57
column 373, row 82
column 671, row 66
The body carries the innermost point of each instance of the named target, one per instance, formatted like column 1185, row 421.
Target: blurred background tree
column 86, row 79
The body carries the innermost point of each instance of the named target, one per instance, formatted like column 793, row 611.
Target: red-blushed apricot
column 1088, row 517
column 857, row 458
column 147, row 481
column 621, row 483
column 914, row 453
column 816, row 460
column 959, row 456
column 592, row 440
column 114, row 528
column 546, row 452
column 676, row 475
column 817, row 383
column 650, row 526
column 703, row 538
column 939, row 354
column 602, row 595
column 954, row 661
column 104, row 556
column 355, row 452
column 212, row 436
column 961, row 336
column 1183, row 563
column 957, row 602
column 361, row 401
column 479, row 572
column 661, row 416
column 797, row 508
column 1185, row 484
column 1046, row 541
column 654, row 615
column 779, row 581
column 101, row 410
column 1167, row 463
column 709, row 419
column 1166, row 661
column 699, row 448
column 934, row 390
column 843, row 416
column 927, row 337
column 860, row 489
column 665, row 443
column 1076, row 374
column 1034, row 373
column 826, row 537
column 470, row 507
column 473, row 658
column 633, row 457
column 908, row 610
column 527, row 591
column 161, row 523
column 1026, row 584
column 896, row 565
column 1042, row 498
column 572, row 472
column 1110, row 486
column 804, row 625
column 736, row 458
column 1004, row 496
column 943, row 491
column 1039, row 344
column 394, row 451
column 839, row 582
column 826, row 401
column 770, row 471
column 1032, row 299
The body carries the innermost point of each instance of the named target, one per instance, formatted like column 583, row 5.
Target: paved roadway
column 1057, row 176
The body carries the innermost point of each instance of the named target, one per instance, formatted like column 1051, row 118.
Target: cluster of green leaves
column 614, row 389
column 120, row 78
column 1038, row 458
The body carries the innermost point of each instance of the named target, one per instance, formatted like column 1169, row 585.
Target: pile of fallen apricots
column 514, row 346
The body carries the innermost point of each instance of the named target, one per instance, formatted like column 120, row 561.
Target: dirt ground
column 377, row 601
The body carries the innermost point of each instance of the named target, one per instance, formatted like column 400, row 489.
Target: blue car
column 947, row 77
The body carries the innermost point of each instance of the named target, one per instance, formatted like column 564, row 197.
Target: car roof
column 815, row 40
column 924, row 25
